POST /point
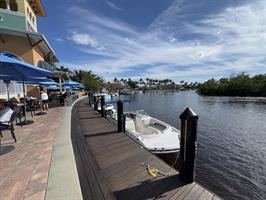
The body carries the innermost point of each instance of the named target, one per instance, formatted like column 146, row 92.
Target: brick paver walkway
column 24, row 171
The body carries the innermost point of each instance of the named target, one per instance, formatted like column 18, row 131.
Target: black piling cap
column 119, row 102
column 188, row 114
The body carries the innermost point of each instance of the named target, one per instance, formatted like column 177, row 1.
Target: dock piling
column 119, row 115
column 102, row 105
column 124, row 123
column 189, row 121
column 95, row 102
column 89, row 96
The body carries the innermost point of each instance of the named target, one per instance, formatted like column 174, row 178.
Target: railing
column 12, row 20
column 69, row 100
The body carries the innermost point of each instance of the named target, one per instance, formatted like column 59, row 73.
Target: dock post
column 105, row 114
column 89, row 96
column 124, row 123
column 95, row 102
column 102, row 105
column 119, row 115
column 189, row 120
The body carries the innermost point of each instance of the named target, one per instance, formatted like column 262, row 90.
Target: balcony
column 15, row 21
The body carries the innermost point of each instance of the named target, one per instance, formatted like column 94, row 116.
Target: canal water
column 231, row 160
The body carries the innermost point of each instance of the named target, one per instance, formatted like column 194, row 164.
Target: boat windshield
column 141, row 113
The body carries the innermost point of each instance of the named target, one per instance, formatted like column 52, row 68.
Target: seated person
column 5, row 114
column 18, row 98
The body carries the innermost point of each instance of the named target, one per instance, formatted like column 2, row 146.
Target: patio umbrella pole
column 24, row 95
column 7, row 82
column 25, row 122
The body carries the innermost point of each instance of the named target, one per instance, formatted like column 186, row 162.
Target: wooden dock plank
column 195, row 193
column 110, row 164
column 205, row 195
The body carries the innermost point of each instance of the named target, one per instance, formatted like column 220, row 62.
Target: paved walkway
column 24, row 171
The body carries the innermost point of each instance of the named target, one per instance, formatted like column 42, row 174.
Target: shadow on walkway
column 151, row 189
column 6, row 149
column 100, row 134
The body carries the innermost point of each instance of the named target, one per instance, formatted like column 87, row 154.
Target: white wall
column 14, row 89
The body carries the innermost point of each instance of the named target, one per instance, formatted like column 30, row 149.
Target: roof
column 35, row 39
column 37, row 7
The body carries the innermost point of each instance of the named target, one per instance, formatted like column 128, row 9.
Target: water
column 231, row 159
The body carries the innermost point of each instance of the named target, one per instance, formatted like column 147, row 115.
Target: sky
column 191, row 40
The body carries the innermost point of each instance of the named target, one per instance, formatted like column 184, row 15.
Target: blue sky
column 191, row 40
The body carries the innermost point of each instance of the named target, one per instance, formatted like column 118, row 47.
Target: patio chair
column 18, row 110
column 8, row 126
column 33, row 106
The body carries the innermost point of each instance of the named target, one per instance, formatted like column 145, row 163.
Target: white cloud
column 230, row 40
column 114, row 6
column 83, row 39
column 59, row 39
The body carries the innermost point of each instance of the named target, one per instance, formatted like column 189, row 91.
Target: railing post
column 95, row 103
column 102, row 105
column 189, row 120
column 119, row 115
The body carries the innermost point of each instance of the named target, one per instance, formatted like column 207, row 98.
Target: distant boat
column 154, row 135
column 107, row 107
column 126, row 92
column 115, row 94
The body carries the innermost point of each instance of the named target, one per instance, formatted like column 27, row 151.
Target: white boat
column 107, row 107
column 115, row 94
column 154, row 135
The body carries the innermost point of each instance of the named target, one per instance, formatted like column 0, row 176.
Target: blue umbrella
column 66, row 87
column 19, row 70
column 34, row 81
column 81, row 86
column 49, row 83
column 16, row 70
column 70, row 83
column 53, row 88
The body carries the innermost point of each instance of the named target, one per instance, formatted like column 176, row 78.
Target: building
column 19, row 35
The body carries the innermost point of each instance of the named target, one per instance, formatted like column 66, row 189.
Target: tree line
column 236, row 85
column 149, row 84
column 91, row 81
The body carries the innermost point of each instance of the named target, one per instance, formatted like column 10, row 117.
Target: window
column 3, row 4
column 13, row 5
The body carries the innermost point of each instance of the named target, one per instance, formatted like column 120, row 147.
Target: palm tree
column 51, row 59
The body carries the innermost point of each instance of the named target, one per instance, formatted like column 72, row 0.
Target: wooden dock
column 111, row 165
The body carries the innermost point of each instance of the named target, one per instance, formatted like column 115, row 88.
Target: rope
column 154, row 172
column 175, row 160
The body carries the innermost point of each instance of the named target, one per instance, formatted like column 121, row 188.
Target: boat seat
column 154, row 130
column 130, row 125
column 142, row 126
